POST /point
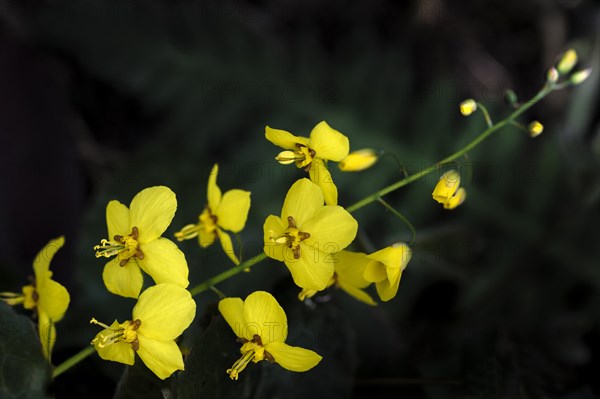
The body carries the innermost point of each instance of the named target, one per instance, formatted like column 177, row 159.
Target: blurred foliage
column 501, row 298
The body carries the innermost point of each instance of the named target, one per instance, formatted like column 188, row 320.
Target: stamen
column 94, row 321
column 189, row 231
column 240, row 365
column 288, row 157
column 256, row 339
column 107, row 249
column 12, row 298
column 269, row 357
column 291, row 222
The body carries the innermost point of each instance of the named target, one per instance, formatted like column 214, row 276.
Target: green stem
column 401, row 217
column 226, row 274
column 486, row 115
column 72, row 361
column 386, row 190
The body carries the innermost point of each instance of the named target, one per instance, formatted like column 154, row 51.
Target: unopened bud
column 552, row 75
column 467, row 107
column 535, row 128
column 579, row 76
column 358, row 160
column 566, row 62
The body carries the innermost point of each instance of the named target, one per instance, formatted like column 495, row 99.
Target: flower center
column 123, row 332
column 207, row 223
column 292, row 237
column 302, row 156
column 251, row 350
column 125, row 247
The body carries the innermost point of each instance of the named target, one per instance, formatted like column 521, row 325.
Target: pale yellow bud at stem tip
column 467, row 107
column 535, row 128
column 579, row 76
column 358, row 160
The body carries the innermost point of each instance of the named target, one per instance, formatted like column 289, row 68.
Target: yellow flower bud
column 535, row 128
column 552, row 75
column 579, row 76
column 566, row 62
column 467, row 107
column 358, row 160
column 447, row 186
column 456, row 199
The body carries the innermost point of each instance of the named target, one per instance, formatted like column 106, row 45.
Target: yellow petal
column 395, row 258
column 284, row 139
column 375, row 272
column 293, row 358
column 162, row 357
column 117, row 219
column 118, row 351
column 151, row 211
column 312, row 270
column 319, row 174
column 272, row 229
column 232, row 310
column 126, row 281
column 387, row 289
column 331, row 229
column 164, row 262
column 41, row 263
column 446, row 186
column 206, row 239
column 357, row 293
column 53, row 300
column 47, row 333
column 227, row 246
column 165, row 310
column 264, row 317
column 233, row 210
column 350, row 267
column 302, row 201
column 328, row 143
column 213, row 191
column 456, row 200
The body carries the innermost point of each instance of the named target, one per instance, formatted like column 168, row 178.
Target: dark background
column 100, row 99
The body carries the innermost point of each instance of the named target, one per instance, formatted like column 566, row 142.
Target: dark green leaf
column 24, row 372
column 205, row 368
column 139, row 382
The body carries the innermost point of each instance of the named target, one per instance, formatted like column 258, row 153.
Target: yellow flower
column 160, row 315
column 385, row 269
column 348, row 275
column 45, row 296
column 135, row 238
column 457, row 199
column 325, row 143
column 447, row 186
column 228, row 211
column 261, row 324
column 358, row 160
column 467, row 107
column 307, row 233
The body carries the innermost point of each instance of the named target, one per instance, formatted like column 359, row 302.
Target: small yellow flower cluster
column 311, row 233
